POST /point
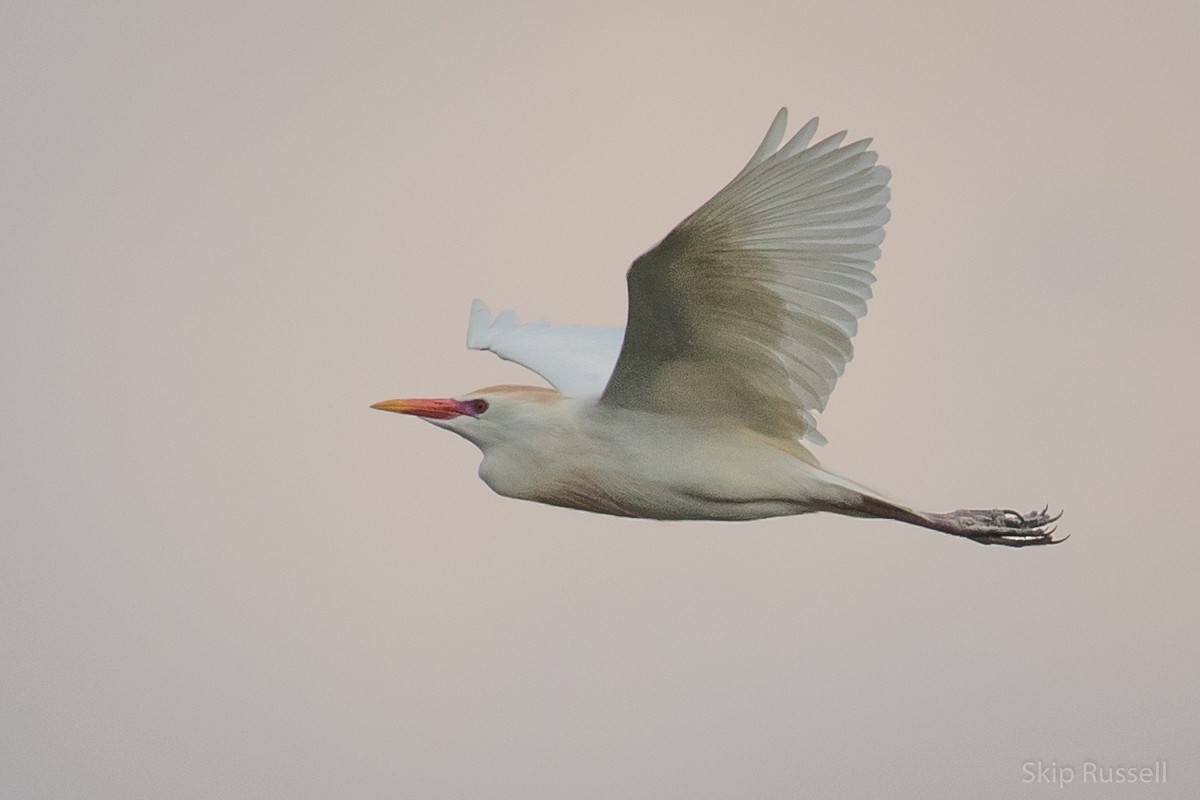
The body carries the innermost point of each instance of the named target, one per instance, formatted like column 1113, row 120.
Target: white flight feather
column 576, row 359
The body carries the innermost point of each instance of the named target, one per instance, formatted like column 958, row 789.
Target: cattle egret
column 739, row 326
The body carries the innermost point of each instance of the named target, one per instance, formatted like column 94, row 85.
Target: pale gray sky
column 229, row 228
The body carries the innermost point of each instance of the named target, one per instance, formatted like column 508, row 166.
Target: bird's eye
column 479, row 406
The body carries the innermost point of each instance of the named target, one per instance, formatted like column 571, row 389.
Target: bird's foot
column 1000, row 526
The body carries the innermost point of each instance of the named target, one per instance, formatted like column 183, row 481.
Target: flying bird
column 739, row 324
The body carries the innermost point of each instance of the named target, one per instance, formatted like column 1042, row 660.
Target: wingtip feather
column 770, row 142
column 800, row 138
column 478, row 324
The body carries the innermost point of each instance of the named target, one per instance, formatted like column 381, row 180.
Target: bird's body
column 739, row 326
column 582, row 454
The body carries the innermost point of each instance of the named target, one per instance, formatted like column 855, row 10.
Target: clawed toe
column 1002, row 526
column 1025, row 538
column 1044, row 519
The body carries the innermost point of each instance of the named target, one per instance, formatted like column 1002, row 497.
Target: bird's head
column 483, row 416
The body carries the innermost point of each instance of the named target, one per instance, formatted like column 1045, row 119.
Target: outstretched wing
column 746, row 309
column 575, row 359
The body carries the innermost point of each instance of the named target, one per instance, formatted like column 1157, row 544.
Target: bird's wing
column 576, row 359
column 746, row 309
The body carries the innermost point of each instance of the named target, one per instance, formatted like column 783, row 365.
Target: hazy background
column 229, row 228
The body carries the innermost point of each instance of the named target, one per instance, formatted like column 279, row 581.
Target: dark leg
column 991, row 526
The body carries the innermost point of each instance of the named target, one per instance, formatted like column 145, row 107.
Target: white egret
column 739, row 325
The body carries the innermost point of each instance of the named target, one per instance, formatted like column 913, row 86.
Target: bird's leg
column 986, row 526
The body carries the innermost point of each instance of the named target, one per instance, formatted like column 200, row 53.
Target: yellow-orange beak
column 431, row 408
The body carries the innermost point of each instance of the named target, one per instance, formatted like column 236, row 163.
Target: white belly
column 641, row 465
